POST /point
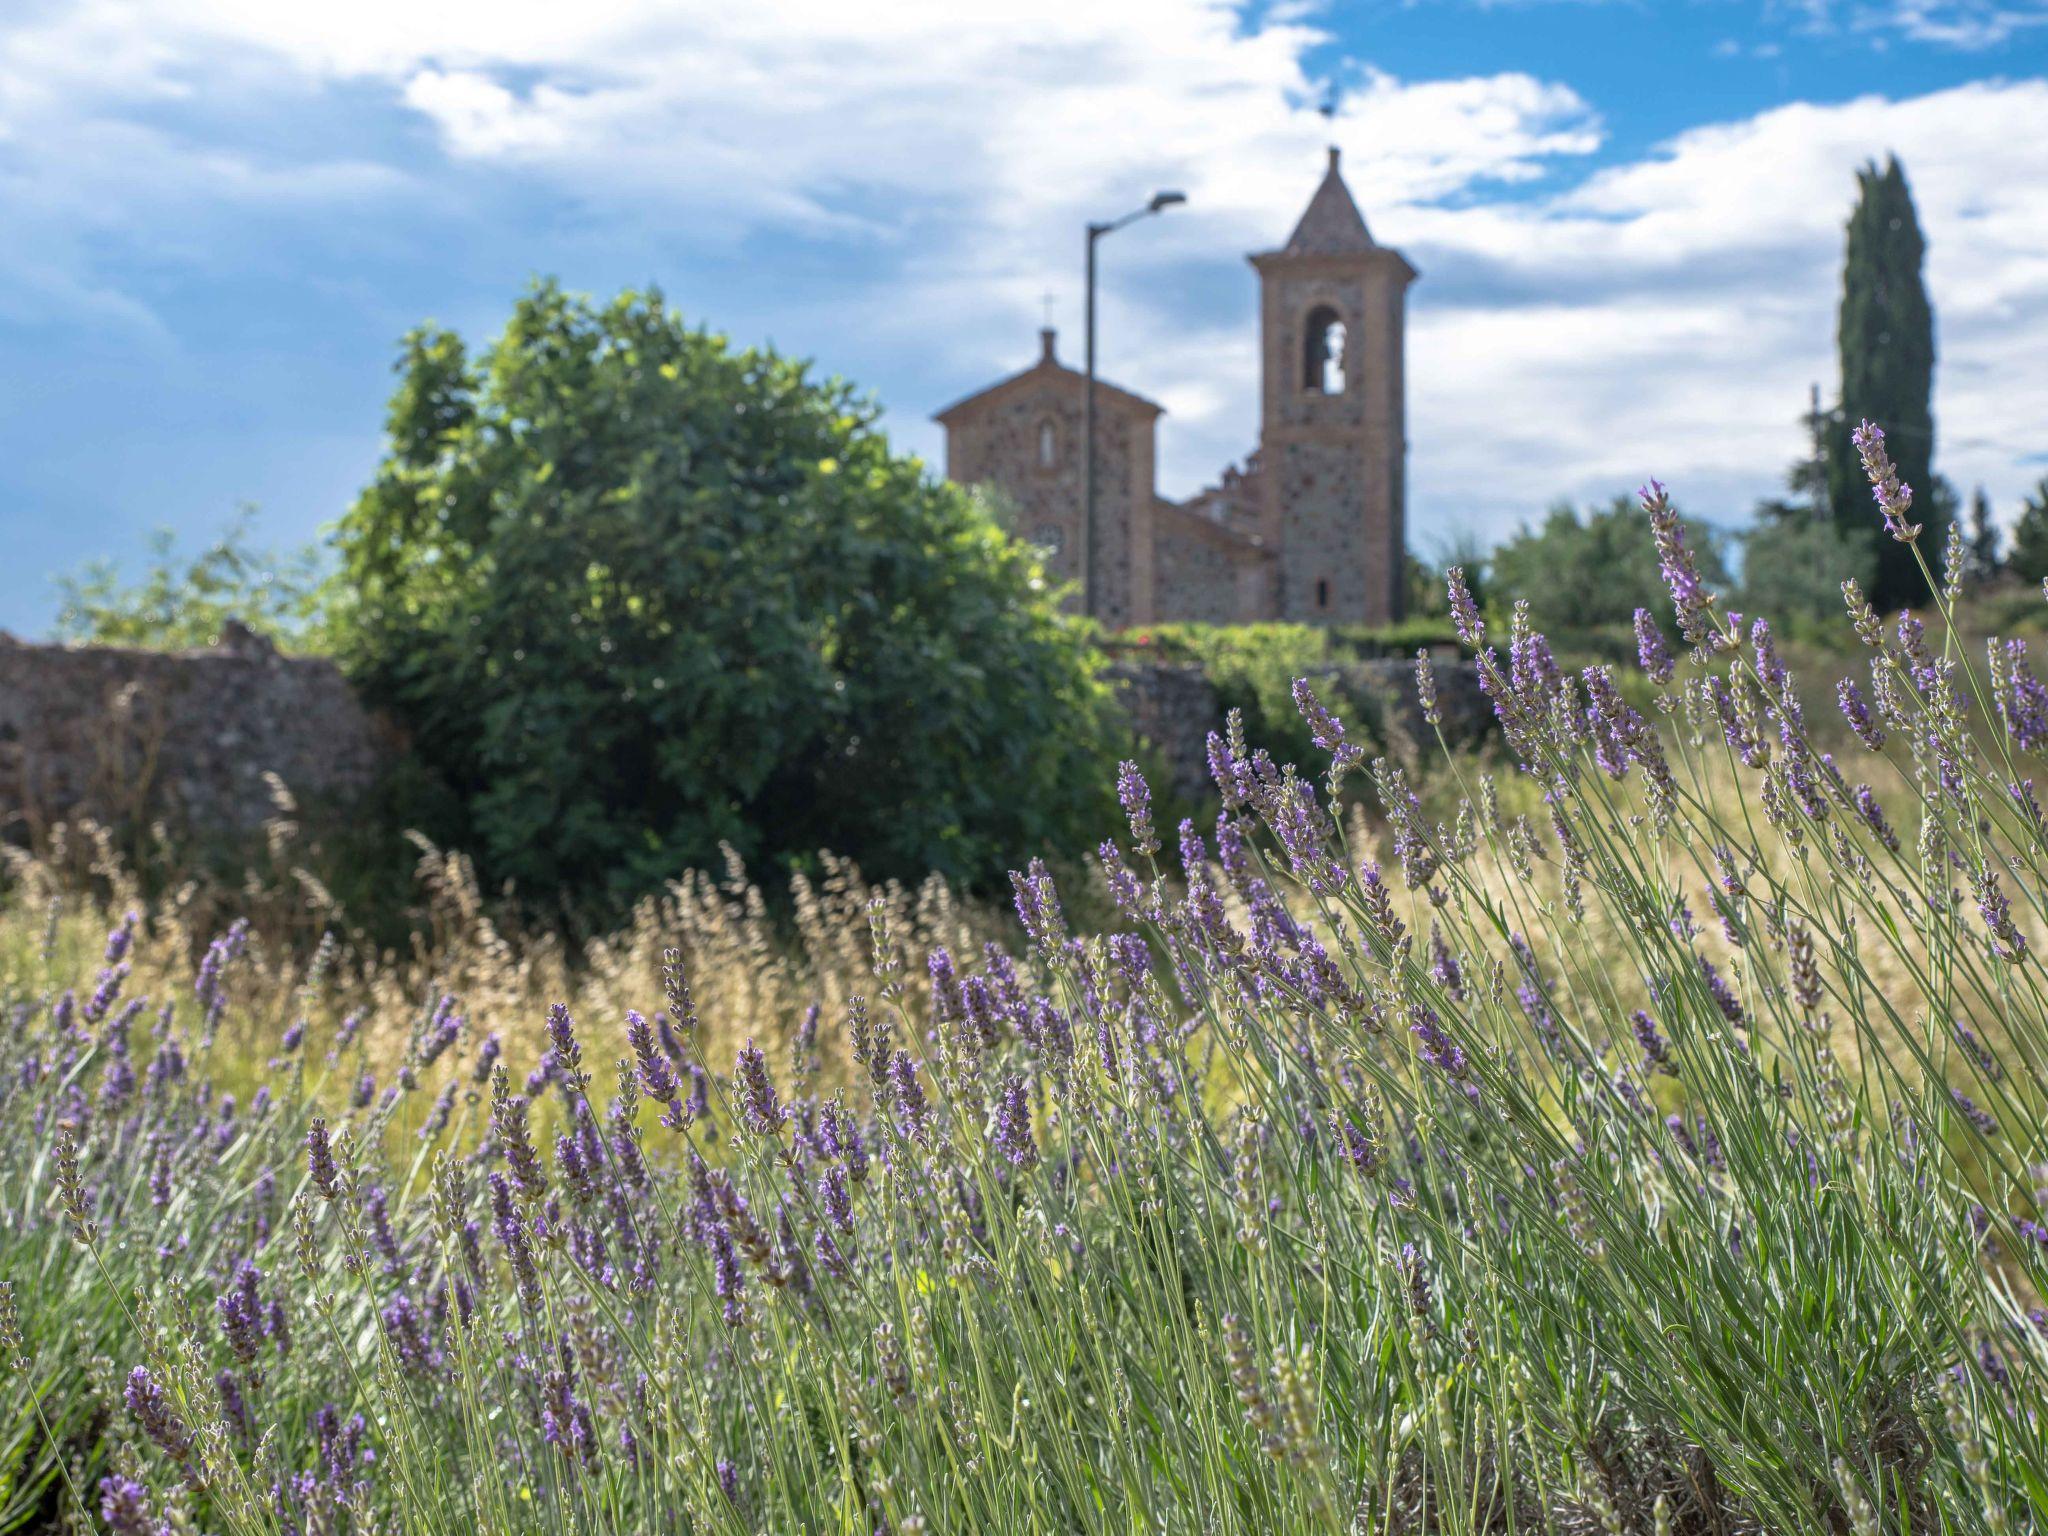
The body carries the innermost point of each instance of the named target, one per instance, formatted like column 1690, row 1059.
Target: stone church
column 1309, row 529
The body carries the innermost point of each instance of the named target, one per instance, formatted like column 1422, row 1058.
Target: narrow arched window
column 1048, row 444
column 1322, row 370
column 1322, row 594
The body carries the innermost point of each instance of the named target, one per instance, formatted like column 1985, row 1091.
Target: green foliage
column 1981, row 548
column 1584, row 572
column 2029, row 556
column 1793, row 569
column 182, row 604
column 1886, row 341
column 639, row 593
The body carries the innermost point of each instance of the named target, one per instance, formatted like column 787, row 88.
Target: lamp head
column 1165, row 200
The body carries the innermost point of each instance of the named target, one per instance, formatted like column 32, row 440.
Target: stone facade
column 1312, row 528
column 131, row 737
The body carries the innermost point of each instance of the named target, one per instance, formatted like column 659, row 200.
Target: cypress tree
column 1886, row 341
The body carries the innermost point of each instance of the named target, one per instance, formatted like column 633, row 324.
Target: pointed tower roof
column 1332, row 224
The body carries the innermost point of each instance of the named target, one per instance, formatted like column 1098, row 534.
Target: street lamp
column 1161, row 201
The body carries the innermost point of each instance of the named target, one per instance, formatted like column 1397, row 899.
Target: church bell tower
column 1333, row 427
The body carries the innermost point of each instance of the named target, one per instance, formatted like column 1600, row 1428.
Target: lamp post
column 1160, row 202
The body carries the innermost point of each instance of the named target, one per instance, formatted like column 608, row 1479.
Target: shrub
column 639, row 594
column 1793, row 569
column 1584, row 571
column 183, row 606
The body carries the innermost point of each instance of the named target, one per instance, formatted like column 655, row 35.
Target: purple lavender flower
column 320, row 1160
column 727, row 1284
column 1857, row 713
column 407, row 1333
column 124, row 1506
column 2020, row 696
column 487, row 1057
column 657, row 1075
column 1696, row 619
column 234, row 1407
column 1325, row 729
column 2023, row 800
column 1656, row 1052
column 1124, row 888
column 564, row 1054
column 1443, row 966
column 106, row 993
column 1974, row 1113
column 1038, row 906
column 1438, row 1049
column 511, row 1231
column 913, row 1115
column 1136, row 799
column 1893, row 497
column 438, row 1112
column 759, row 1107
column 241, row 1313
column 1873, row 817
column 1013, row 1123
column 1723, row 995
column 1464, row 612
column 515, row 1139
column 159, row 1170
column 118, row 939
column 153, row 1412
column 1651, row 650
column 1416, row 1277
column 836, row 1198
column 2006, row 939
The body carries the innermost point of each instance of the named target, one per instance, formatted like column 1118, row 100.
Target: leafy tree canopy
column 639, row 593
column 179, row 604
column 1793, row 569
column 1579, row 572
column 2028, row 558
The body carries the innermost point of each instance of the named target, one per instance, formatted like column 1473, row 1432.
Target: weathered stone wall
column 129, row 737
column 1206, row 574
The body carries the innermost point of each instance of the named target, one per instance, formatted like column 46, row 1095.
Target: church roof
column 1332, row 224
column 1050, row 370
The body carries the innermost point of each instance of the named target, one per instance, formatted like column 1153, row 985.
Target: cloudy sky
column 217, row 217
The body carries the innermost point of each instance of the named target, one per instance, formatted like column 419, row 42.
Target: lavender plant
column 1652, row 1144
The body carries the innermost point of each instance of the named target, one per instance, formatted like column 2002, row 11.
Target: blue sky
column 221, row 215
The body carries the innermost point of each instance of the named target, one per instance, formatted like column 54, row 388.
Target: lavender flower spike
column 1893, row 496
column 1325, row 729
column 1651, row 649
column 1136, row 796
column 1694, row 603
column 1464, row 612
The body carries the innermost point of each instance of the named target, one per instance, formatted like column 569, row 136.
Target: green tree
column 637, row 592
column 2028, row 558
column 1981, row 548
column 1885, row 338
column 1793, row 568
column 1582, row 572
column 180, row 605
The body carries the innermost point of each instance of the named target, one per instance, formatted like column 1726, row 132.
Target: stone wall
column 130, row 737
column 1173, row 707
